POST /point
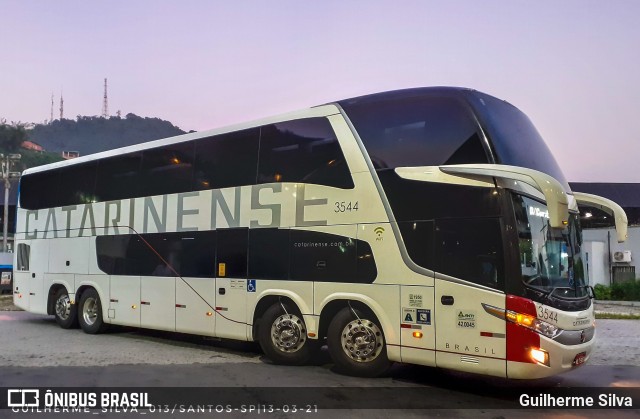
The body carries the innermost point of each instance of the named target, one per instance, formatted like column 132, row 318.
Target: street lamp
column 6, row 163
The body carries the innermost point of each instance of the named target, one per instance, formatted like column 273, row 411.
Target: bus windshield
column 550, row 258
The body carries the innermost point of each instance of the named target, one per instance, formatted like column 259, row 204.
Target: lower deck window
column 279, row 254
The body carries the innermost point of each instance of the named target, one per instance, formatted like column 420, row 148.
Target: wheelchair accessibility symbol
column 251, row 285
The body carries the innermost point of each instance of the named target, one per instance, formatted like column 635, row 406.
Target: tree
column 12, row 137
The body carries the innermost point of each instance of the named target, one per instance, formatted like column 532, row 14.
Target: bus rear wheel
column 356, row 344
column 64, row 310
column 283, row 335
column 90, row 313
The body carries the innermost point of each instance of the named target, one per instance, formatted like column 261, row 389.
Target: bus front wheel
column 283, row 335
column 356, row 344
column 65, row 310
column 90, row 313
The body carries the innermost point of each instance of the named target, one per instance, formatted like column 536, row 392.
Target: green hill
column 92, row 134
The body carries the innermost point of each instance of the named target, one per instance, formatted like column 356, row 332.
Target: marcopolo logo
column 23, row 397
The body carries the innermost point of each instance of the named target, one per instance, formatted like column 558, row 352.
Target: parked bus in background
column 428, row 226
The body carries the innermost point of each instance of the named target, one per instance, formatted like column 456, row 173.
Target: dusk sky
column 572, row 66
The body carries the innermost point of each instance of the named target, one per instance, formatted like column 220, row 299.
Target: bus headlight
column 525, row 320
column 546, row 329
column 540, row 356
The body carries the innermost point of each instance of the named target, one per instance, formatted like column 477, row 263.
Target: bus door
column 467, row 337
column 231, row 283
column 22, row 275
column 39, row 264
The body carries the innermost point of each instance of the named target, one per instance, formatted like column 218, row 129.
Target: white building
column 607, row 260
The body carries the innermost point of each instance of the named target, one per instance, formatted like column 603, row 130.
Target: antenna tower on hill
column 105, row 102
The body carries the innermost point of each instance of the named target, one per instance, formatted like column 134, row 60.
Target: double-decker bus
column 429, row 226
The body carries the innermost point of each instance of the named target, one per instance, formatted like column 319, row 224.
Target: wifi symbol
column 378, row 231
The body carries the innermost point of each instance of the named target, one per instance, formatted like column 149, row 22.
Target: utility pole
column 51, row 120
column 7, row 162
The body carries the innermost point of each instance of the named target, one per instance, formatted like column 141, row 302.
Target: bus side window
column 269, row 253
column 231, row 251
column 198, row 254
column 226, row 160
column 118, row 177
column 167, row 170
column 24, row 251
column 418, row 239
column 471, row 249
column 39, row 190
column 302, row 150
column 77, row 184
column 317, row 256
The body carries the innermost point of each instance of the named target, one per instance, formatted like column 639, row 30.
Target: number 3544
column 345, row 206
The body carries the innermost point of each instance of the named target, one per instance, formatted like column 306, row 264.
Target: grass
column 617, row 316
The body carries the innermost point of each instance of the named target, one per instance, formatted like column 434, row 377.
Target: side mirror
column 609, row 207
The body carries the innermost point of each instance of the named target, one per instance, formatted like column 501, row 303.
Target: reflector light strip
column 493, row 335
column 410, row 326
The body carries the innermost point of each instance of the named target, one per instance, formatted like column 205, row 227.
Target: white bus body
column 295, row 255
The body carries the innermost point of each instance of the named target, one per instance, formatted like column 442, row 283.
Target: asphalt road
column 36, row 352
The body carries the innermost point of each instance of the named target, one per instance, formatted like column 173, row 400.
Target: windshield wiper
column 549, row 294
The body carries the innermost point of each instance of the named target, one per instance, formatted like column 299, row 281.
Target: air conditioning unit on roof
column 623, row 256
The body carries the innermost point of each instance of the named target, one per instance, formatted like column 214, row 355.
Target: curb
column 618, row 303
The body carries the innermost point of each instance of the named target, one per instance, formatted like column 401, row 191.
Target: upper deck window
column 426, row 130
column 226, row 160
column 514, row 138
column 303, row 150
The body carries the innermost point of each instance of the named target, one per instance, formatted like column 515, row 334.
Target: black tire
column 64, row 311
column 90, row 313
column 289, row 346
column 366, row 359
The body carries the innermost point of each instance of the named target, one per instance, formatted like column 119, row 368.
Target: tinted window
column 112, row 254
column 419, row 241
column 322, row 257
column 39, row 190
column 417, row 131
column 23, row 257
column 167, row 170
column 232, row 252
column 471, row 249
column 77, row 184
column 198, row 254
column 118, row 177
column 304, row 150
column 226, row 160
column 269, row 253
column 160, row 254
column 514, row 138
column 413, row 200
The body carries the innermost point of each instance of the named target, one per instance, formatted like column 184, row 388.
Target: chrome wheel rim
column 63, row 307
column 90, row 311
column 288, row 333
column 362, row 340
